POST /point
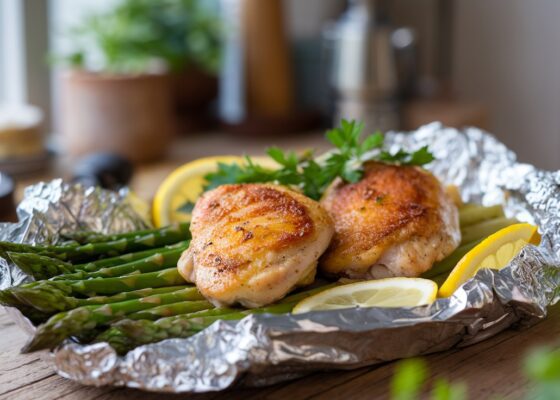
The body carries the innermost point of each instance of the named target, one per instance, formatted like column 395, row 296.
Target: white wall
column 507, row 56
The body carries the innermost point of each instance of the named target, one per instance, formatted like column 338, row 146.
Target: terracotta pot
column 127, row 115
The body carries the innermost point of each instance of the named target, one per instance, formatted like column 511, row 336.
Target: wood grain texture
column 490, row 368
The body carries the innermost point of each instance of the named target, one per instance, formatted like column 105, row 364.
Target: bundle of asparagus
column 132, row 332
column 125, row 289
column 84, row 287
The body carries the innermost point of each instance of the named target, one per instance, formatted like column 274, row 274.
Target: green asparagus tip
column 46, row 338
column 8, row 299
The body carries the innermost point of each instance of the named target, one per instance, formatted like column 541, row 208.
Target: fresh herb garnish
column 314, row 175
column 419, row 157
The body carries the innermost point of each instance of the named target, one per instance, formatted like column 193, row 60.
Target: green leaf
column 288, row 160
column 347, row 127
column 306, row 174
column 543, row 364
column 443, row 390
column 421, row 157
column 335, row 137
column 408, row 380
column 357, row 128
column 398, row 157
column 293, row 160
column 226, row 173
column 313, row 180
column 277, row 155
column 374, row 141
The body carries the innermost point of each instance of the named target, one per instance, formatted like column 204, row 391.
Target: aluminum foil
column 264, row 349
column 49, row 210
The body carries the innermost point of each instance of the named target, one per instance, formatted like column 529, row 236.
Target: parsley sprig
column 313, row 175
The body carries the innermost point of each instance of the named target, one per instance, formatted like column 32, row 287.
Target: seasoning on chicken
column 396, row 221
column 254, row 243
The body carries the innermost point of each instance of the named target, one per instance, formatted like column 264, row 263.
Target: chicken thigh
column 253, row 243
column 396, row 221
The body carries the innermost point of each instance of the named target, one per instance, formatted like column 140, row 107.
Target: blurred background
column 111, row 90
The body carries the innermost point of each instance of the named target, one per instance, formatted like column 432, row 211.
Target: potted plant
column 131, row 68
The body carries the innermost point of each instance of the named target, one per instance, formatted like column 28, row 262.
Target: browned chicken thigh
column 396, row 221
column 253, row 243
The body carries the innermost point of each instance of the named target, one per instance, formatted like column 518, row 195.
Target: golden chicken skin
column 253, row 243
column 396, row 221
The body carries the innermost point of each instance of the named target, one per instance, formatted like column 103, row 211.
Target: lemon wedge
column 496, row 251
column 390, row 292
column 184, row 185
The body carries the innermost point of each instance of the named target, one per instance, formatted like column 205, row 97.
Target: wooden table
column 490, row 368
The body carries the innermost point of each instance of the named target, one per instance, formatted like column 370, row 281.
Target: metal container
column 366, row 75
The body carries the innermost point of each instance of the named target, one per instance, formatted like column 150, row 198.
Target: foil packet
column 265, row 349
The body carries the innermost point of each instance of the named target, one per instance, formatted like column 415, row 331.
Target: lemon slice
column 185, row 184
column 390, row 292
column 496, row 251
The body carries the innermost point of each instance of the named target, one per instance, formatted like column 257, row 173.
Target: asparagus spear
column 35, row 316
column 472, row 215
column 471, row 236
column 84, row 237
column 155, row 262
column 128, row 257
column 467, row 206
column 135, row 294
column 168, row 310
column 485, row 228
column 44, row 267
column 7, row 298
column 73, row 253
column 127, row 333
column 439, row 279
column 45, row 298
column 83, row 319
column 165, row 277
column 41, row 293
column 114, row 285
column 50, row 300
column 38, row 266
